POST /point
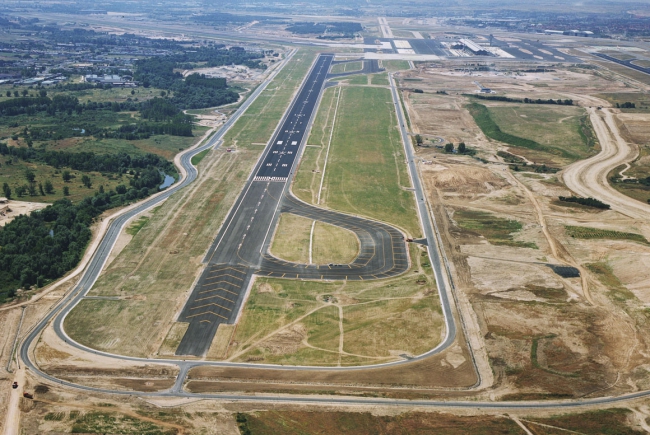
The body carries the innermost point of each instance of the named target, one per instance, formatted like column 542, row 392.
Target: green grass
column 596, row 233
column 395, row 65
column 379, row 79
column 497, row 231
column 366, row 172
column 379, row 316
column 361, row 79
column 137, row 225
column 641, row 101
column 346, row 67
column 197, row 158
column 307, row 180
column 606, row 276
column 505, row 124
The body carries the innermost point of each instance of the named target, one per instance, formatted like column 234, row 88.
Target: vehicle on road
column 14, row 385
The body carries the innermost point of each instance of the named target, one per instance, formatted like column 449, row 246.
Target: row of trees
column 589, row 202
column 559, row 101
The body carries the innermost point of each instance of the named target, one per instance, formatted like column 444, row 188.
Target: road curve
column 588, row 177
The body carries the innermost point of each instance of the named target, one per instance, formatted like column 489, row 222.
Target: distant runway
column 240, row 250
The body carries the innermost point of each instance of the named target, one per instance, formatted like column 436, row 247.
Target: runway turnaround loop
column 240, row 250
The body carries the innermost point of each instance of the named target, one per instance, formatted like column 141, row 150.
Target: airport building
column 474, row 48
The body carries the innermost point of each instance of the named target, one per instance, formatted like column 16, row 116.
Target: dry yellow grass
column 291, row 239
column 332, row 244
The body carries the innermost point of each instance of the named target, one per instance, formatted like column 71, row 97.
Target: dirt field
column 11, row 209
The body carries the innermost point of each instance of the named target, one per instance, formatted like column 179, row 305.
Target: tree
column 43, row 93
column 66, row 191
column 461, row 147
column 66, row 176
column 101, row 188
column 8, row 93
column 40, row 189
column 29, row 176
column 449, row 147
column 49, row 189
column 25, row 92
column 85, row 179
column 418, row 140
column 7, row 190
column 16, row 94
column 120, row 189
column 32, row 189
column 21, row 190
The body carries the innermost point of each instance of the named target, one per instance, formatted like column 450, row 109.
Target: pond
column 169, row 180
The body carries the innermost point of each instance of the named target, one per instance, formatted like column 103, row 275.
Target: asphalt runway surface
column 428, row 46
column 536, row 49
column 627, row 63
column 240, row 250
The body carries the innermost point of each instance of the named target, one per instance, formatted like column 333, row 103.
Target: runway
column 241, row 248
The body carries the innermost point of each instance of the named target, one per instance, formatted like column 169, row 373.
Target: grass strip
column 197, row 158
column 596, row 233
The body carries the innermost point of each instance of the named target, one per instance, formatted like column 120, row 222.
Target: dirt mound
column 465, row 178
column 265, row 288
column 287, row 341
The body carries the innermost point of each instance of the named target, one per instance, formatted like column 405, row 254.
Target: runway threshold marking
column 218, row 289
column 210, row 304
column 210, row 278
column 215, row 296
column 205, row 284
column 207, row 312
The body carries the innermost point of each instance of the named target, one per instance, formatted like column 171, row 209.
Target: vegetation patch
column 291, row 238
column 607, row 422
column 596, row 233
column 366, row 173
column 137, row 225
column 550, row 130
column 589, row 202
column 102, row 423
column 606, row 276
column 196, row 159
column 498, row 231
column 344, row 423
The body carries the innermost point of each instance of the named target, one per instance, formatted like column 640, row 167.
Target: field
column 346, row 67
column 339, row 323
column 365, row 173
column 395, row 65
column 498, row 231
column 293, row 239
column 641, row 101
column 379, row 79
column 153, row 272
column 614, row 421
column 548, row 134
